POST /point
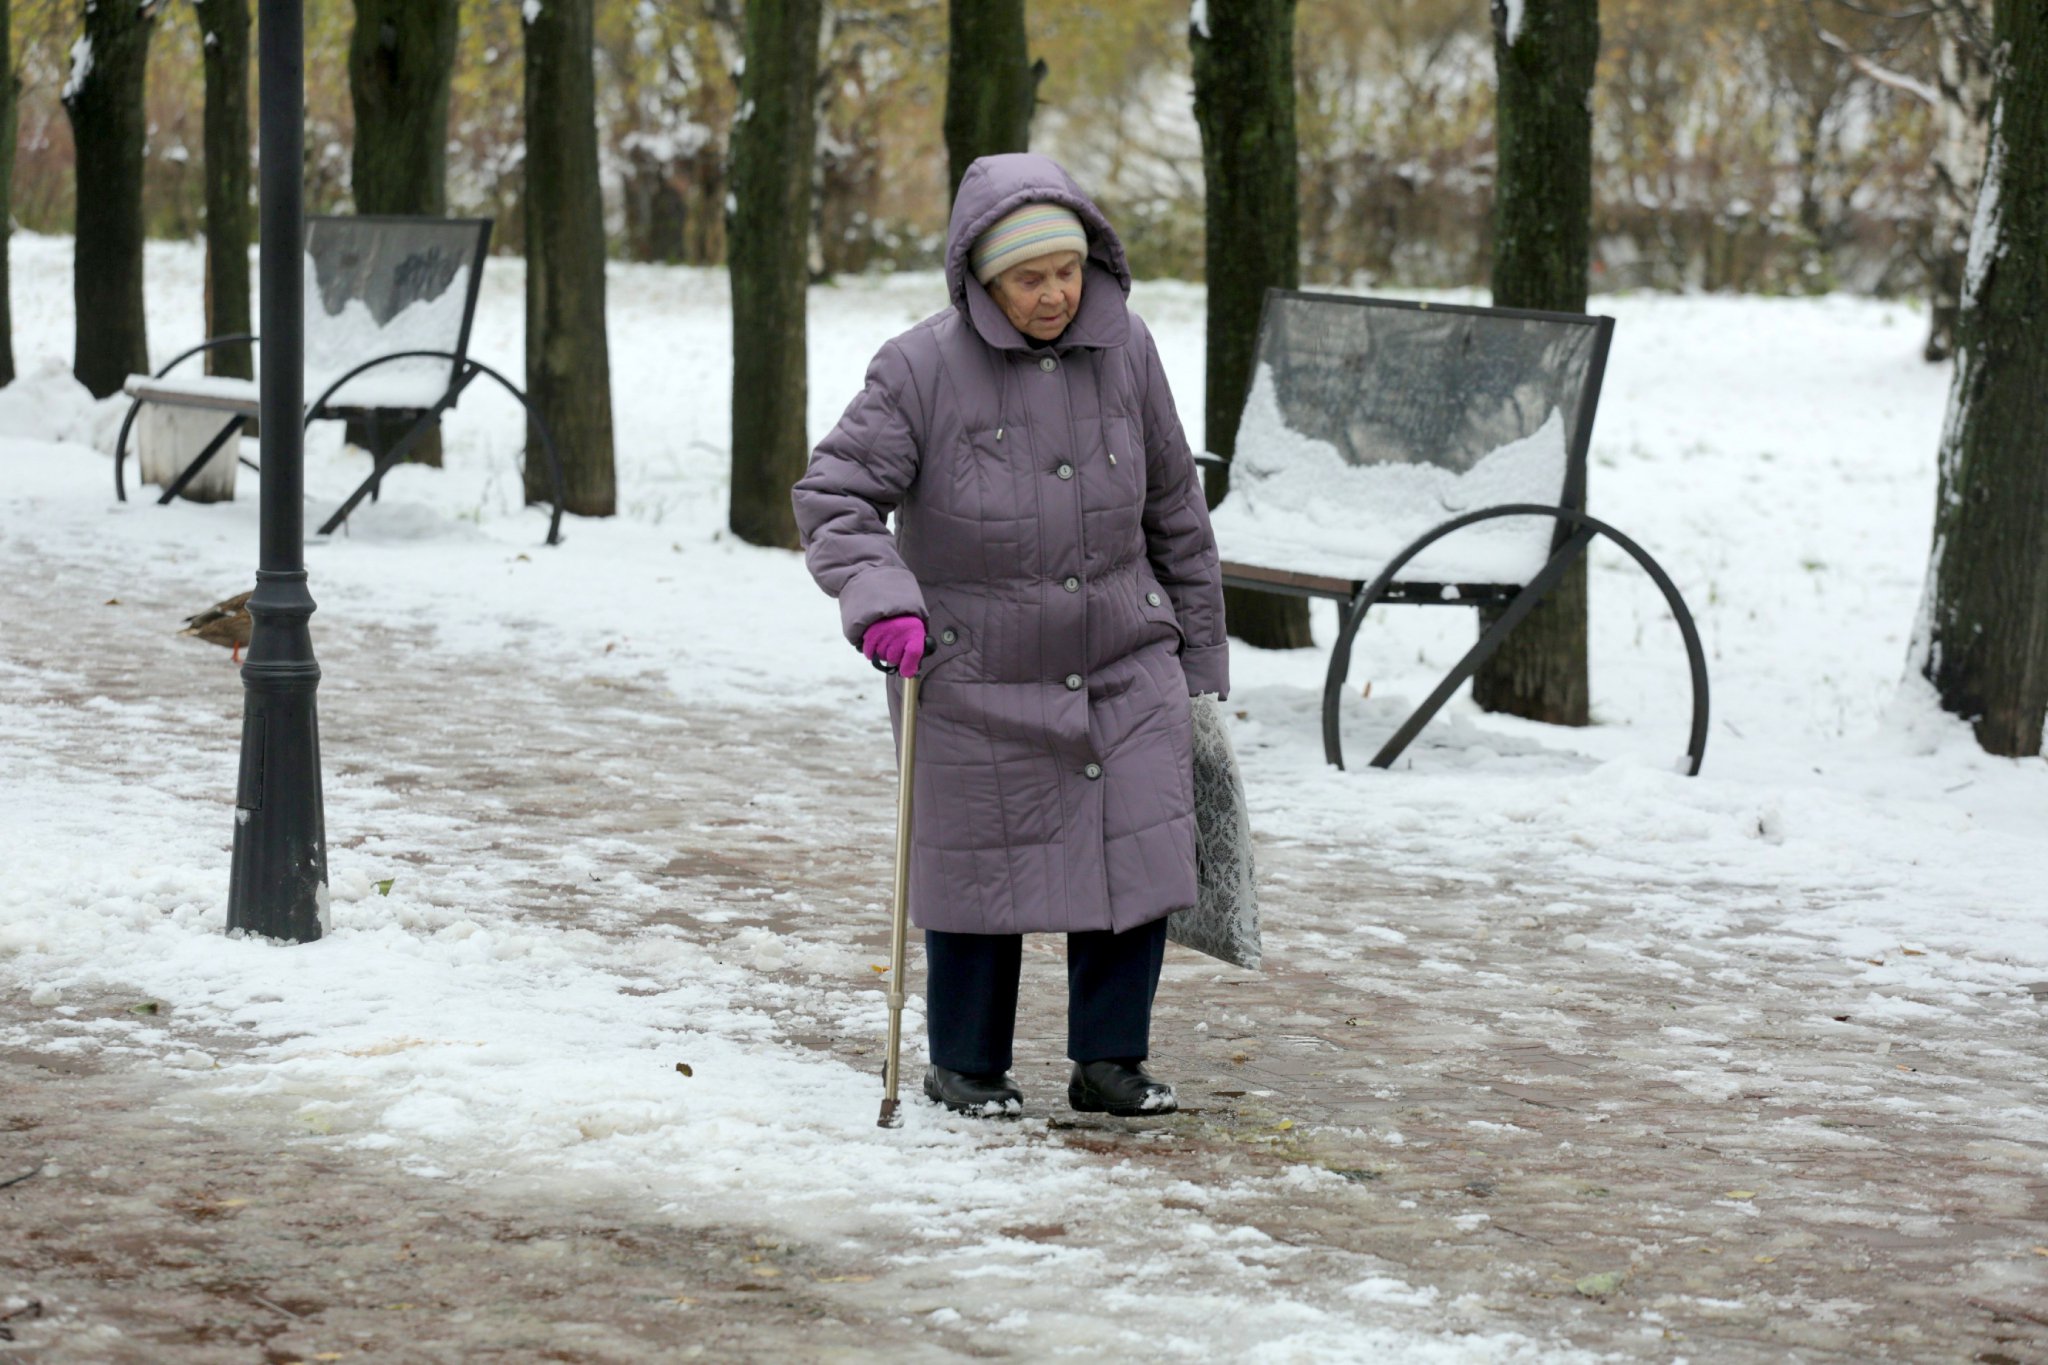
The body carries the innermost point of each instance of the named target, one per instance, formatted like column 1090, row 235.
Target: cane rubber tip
column 890, row 1118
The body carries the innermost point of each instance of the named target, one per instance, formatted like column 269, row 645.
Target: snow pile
column 1296, row 503
column 338, row 341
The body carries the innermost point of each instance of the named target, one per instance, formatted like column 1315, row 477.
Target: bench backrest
column 376, row 286
column 1370, row 421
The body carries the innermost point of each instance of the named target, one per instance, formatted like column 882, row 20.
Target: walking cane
column 900, row 927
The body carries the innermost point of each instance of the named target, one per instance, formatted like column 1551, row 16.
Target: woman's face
column 1041, row 295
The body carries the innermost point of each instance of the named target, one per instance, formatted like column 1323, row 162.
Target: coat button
column 1073, row 682
column 948, row 636
column 1072, row 584
column 1093, row 771
column 1048, row 364
column 1151, row 599
column 1065, row 471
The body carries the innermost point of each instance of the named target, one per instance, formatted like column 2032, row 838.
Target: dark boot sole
column 1081, row 1106
column 987, row 1109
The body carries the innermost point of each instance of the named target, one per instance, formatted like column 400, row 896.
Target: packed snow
column 1297, row 503
column 1776, row 455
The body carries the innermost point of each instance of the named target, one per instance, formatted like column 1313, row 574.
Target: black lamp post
column 278, row 884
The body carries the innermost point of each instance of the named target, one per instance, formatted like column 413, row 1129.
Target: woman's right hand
column 897, row 641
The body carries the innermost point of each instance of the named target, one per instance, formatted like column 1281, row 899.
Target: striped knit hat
column 1030, row 232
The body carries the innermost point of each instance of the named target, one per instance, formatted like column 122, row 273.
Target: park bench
column 1427, row 454
column 389, row 304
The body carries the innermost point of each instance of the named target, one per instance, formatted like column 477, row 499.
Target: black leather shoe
column 988, row 1097
column 1124, row 1089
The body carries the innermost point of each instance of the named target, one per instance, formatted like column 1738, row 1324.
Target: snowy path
column 1434, row 1116
column 1762, row 1046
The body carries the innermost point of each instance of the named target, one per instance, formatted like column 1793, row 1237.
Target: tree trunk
column 991, row 91
column 401, row 62
column 8, row 90
column 568, row 364
column 1542, row 221
column 1962, row 36
column 1983, row 640
column 766, row 247
column 224, row 25
column 1243, row 53
column 104, row 99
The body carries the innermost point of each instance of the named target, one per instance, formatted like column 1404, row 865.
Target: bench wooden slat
column 217, row 393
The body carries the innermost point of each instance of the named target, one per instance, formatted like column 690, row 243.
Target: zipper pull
column 999, row 433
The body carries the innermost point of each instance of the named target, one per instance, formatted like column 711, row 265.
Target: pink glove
column 897, row 641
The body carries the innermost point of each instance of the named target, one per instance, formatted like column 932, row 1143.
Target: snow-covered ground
column 1776, row 455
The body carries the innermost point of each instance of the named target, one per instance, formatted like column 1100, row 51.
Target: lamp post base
column 277, row 884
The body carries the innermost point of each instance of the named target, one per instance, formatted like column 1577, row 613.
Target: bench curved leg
column 121, row 450
column 1586, row 528
column 1488, row 644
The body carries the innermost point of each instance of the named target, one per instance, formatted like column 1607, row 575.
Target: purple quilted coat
column 1051, row 530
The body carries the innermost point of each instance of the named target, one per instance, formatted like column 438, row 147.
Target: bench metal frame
column 464, row 370
column 1576, row 530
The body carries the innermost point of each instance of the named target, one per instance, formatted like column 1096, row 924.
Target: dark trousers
column 971, row 995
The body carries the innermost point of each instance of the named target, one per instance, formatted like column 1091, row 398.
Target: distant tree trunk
column 568, row 363
column 766, row 249
column 224, row 25
column 1962, row 35
column 7, row 95
column 401, row 62
column 1542, row 222
column 104, row 99
column 1244, row 104
column 1983, row 640
column 991, row 89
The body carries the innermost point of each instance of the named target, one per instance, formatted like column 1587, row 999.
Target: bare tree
column 568, row 361
column 8, row 92
column 225, row 27
column 104, row 99
column 1545, row 51
column 991, row 85
column 1983, row 637
column 767, row 245
column 1243, row 54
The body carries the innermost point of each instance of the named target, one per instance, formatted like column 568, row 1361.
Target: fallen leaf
column 1368, row 690
column 684, row 1068
column 1599, row 1286
column 113, row 601
column 1765, row 1260
column 384, row 887
column 522, row 559
column 2041, row 1251
column 878, row 967
column 146, row 1007
column 1913, row 952
column 1283, row 1125
column 1740, row 1194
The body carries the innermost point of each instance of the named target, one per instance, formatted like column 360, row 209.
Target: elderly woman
column 1052, row 551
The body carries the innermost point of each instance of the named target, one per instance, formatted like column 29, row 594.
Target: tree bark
column 1542, row 224
column 568, row 362
column 8, row 91
column 401, row 62
column 224, row 25
column 104, row 99
column 766, row 248
column 1983, row 639
column 1962, row 36
column 991, row 91
column 1244, row 105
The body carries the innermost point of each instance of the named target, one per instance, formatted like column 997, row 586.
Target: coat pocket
column 1155, row 608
